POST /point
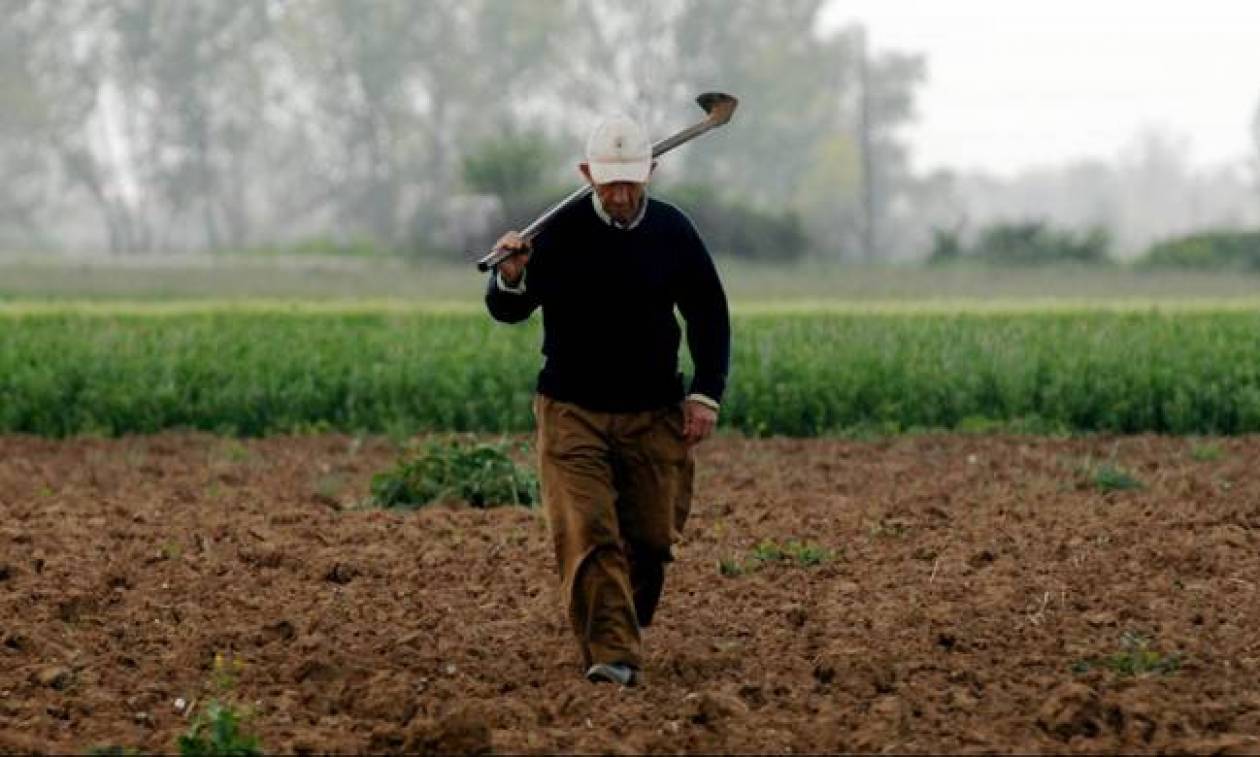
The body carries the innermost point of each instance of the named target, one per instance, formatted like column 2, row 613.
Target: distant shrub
column 1023, row 243
column 1216, row 250
column 733, row 228
column 947, row 246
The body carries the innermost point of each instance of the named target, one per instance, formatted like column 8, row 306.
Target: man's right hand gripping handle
column 512, row 267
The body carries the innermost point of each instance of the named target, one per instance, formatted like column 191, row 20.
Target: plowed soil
column 983, row 594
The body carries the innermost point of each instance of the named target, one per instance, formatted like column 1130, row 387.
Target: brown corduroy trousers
column 616, row 488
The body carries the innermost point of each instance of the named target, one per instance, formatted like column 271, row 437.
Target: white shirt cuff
column 705, row 400
column 503, row 287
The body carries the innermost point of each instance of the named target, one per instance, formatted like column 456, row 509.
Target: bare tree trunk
column 866, row 141
column 236, row 203
column 206, row 179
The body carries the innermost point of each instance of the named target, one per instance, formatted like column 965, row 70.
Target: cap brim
column 606, row 173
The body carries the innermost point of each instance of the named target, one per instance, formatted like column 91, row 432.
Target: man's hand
column 698, row 422
column 513, row 267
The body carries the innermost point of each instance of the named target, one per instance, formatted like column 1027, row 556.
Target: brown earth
column 979, row 588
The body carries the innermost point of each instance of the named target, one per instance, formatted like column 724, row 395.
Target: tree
column 192, row 77
column 791, row 86
column 884, row 103
column 397, row 90
column 22, row 112
column 1255, row 141
column 794, row 125
column 800, row 132
column 152, row 111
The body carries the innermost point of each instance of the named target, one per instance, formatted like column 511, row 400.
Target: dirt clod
column 281, row 630
column 341, row 573
column 1072, row 709
column 460, row 733
column 54, row 677
column 711, row 707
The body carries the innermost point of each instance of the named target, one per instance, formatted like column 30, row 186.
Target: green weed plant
column 220, row 729
column 218, row 732
column 790, row 553
column 483, row 475
column 1205, row 452
column 1135, row 658
column 1112, row 478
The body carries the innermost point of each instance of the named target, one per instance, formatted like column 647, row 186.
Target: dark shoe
column 615, row 672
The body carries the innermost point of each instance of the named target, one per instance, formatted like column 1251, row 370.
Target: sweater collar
column 603, row 214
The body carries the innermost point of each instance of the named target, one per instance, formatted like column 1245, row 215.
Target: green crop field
column 798, row 370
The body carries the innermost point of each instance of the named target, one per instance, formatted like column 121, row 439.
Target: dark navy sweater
column 610, row 336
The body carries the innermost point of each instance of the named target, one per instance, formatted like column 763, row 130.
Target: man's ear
column 585, row 169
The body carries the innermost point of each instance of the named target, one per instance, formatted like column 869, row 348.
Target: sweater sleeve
column 510, row 305
column 702, row 302
column 516, row 304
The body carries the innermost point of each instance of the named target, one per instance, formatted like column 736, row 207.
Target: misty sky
column 1015, row 83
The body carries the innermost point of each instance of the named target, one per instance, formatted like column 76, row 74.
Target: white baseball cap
column 618, row 150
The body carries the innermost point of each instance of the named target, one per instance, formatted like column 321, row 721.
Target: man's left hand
column 698, row 422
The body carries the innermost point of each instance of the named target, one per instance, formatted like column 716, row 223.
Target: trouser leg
column 601, row 609
column 647, row 581
column 579, row 498
column 654, row 471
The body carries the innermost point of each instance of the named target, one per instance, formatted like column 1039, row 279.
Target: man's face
column 621, row 199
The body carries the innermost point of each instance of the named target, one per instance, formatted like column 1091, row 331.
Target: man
column 615, row 428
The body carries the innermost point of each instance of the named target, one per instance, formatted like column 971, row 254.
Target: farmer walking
column 616, row 428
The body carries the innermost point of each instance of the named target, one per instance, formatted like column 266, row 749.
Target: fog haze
column 1013, row 86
